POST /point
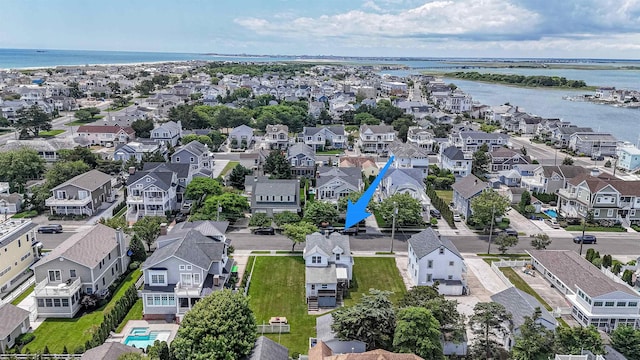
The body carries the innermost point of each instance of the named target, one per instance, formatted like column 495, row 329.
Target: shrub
column 134, row 265
column 260, row 220
column 25, row 339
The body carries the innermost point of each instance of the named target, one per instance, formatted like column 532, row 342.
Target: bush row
column 441, row 205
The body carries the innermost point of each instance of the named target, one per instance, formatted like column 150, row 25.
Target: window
column 65, row 302
column 450, row 263
column 610, row 213
column 40, row 302
column 429, row 277
column 621, row 304
column 597, row 303
column 112, row 272
column 313, row 286
column 430, row 264
column 196, row 278
column 450, row 277
column 56, row 302
column 72, row 273
column 54, row 275
column 191, row 159
column 596, row 212
column 316, row 260
column 48, row 302
column 83, row 194
column 109, row 256
column 157, row 279
column 441, row 252
column 185, row 279
column 177, row 158
column 632, row 304
column 181, row 267
column 337, row 257
column 188, row 267
column 150, row 300
column 608, row 303
column 103, row 283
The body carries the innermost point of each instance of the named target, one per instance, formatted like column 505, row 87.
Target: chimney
column 595, row 172
column 475, row 181
column 163, row 229
column 132, row 170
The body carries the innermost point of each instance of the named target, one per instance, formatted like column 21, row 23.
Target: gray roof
column 377, row 129
column 12, row 198
column 195, row 147
column 428, row 241
column 521, row 304
column 592, row 136
column 172, row 126
column 327, row 244
column 267, row 349
column 91, row 180
column 54, row 144
column 453, row 153
column 350, row 175
column 188, row 245
column 321, row 275
column 109, row 351
column 326, row 335
column 266, row 186
column 483, row 135
column 87, row 248
column 17, row 234
column 469, row 186
column 407, row 150
column 612, row 354
column 402, row 176
column 575, row 271
column 12, row 317
column 161, row 179
column 301, row 148
column 205, row 227
column 181, row 170
column 567, row 171
column 573, row 129
column 336, row 129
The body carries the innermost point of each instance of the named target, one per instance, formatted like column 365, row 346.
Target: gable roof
column 173, row 127
column 567, row 171
column 377, row 129
column 105, row 129
column 12, row 317
column 267, row 349
column 91, row 180
column 241, row 129
column 521, row 304
column 453, row 153
column 109, row 351
column 160, row 179
column 327, row 243
column 205, row 227
column 195, row 147
column 407, row 150
column 266, row 186
column 350, row 175
column 181, row 170
column 428, row 241
column 469, row 186
column 188, row 245
column 301, row 148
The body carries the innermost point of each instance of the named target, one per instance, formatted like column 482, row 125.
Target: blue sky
column 440, row 28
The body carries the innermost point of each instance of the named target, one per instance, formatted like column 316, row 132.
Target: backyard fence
column 274, row 329
column 18, row 291
column 511, row 263
column 500, row 274
column 246, row 287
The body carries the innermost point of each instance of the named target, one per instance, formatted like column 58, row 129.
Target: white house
column 434, row 259
column 409, row 156
column 169, row 132
column 456, row 161
column 376, row 138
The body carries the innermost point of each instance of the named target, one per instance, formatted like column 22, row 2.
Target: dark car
column 350, row 231
column 586, row 239
column 597, row 158
column 50, row 229
column 264, row 231
column 435, row 213
column 181, row 217
column 510, row 232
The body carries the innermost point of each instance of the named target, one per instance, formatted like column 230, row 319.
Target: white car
column 457, row 217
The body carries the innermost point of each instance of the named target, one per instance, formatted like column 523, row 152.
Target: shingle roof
column 377, row 129
column 469, row 186
column 321, row 275
column 350, row 175
column 265, row 186
column 267, row 349
column 483, row 135
column 327, row 244
column 87, row 248
column 181, row 170
column 521, row 304
column 301, row 148
column 194, row 147
column 575, row 271
column 104, row 129
column 205, row 227
column 407, row 150
column 188, row 245
column 428, row 241
column 12, row 317
column 161, row 179
column 453, row 153
column 109, row 351
column 91, row 180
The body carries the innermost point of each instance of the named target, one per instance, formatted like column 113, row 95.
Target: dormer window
column 316, row 260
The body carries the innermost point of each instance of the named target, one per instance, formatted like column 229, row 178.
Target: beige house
column 18, row 250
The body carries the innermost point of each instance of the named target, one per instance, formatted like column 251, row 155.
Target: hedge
column 441, row 205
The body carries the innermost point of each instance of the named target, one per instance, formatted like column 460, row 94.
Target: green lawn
column 519, row 283
column 330, row 152
column 80, row 122
column 596, row 228
column 445, row 195
column 134, row 314
column 375, row 273
column 50, row 133
column 229, row 167
column 56, row 333
column 118, row 108
column 22, row 296
column 380, row 220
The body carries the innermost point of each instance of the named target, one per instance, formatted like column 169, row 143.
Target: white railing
column 16, row 292
column 274, row 329
column 52, row 201
column 44, row 288
column 511, row 263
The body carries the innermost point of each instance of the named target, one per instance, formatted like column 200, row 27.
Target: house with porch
column 15, row 322
column 332, row 182
column 169, row 132
column 405, row 181
column 456, row 161
column 86, row 263
column 190, row 262
column 106, row 135
column 409, row 156
column 276, row 136
column 464, row 190
column 137, row 149
column 241, row 137
column 422, row 138
column 470, row 141
column 151, row 193
column 18, row 239
column 593, row 143
column 549, row 179
column 81, row 195
column 434, row 259
column 504, row 159
column 628, row 157
column 302, row 158
column 328, row 269
column 376, row 138
column 329, row 137
column 197, row 155
column 273, row 196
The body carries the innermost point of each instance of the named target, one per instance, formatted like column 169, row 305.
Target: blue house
column 628, row 157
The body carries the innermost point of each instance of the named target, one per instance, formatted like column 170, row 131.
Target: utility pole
column 584, row 226
column 493, row 210
column 393, row 224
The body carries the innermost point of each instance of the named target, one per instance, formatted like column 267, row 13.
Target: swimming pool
column 142, row 341
column 139, row 331
column 551, row 213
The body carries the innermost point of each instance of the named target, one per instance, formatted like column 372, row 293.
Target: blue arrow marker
column 358, row 211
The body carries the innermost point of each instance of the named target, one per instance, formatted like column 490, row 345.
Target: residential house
column 183, row 175
column 458, row 103
column 366, row 164
column 109, row 351
column 528, row 124
column 151, row 193
column 511, row 178
column 332, row 183
column 190, row 262
column 15, row 322
column 470, row 141
column 169, row 132
column 549, row 179
column 422, row 138
column 504, row 159
column 47, row 149
column 86, row 263
column 464, row 190
column 322, row 351
column 405, row 181
column 276, row 136
column 328, row 269
column 197, row 155
column 105, row 135
column 326, row 137
column 10, row 203
column 273, row 196
column 328, row 337
column 302, row 159
column 376, row 138
column 434, row 259
column 593, row 144
column 628, row 157
column 81, row 195
column 137, row 149
column 409, row 156
column 520, row 305
column 562, row 134
column 394, row 87
column 241, row 137
column 595, row 298
column 267, row 349
column 456, row 161
column 19, row 250
column 62, row 103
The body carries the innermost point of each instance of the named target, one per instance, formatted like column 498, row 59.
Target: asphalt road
column 550, row 156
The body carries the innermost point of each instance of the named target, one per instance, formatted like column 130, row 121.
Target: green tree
column 217, row 139
column 62, row 171
column 505, row 242
column 371, row 320
column 297, row 232
column 354, row 196
column 286, row 217
column 540, row 241
column 481, row 161
column 203, row 139
column 36, row 201
column 260, row 220
column 93, row 111
column 137, row 249
column 525, row 200
column 627, row 276
column 237, row 176
column 401, row 125
column 567, row 161
column 488, row 202
column 20, row 165
column 201, row 187
column 32, row 120
column 572, row 340
column 143, row 127
column 82, row 115
column 489, row 320
column 409, row 209
column 445, row 311
column 115, row 223
column 418, row 332
column 79, row 153
column 233, row 207
column 145, row 87
column 277, row 165
column 534, row 341
column 131, row 356
column 606, row 261
column 159, row 351
column 219, row 326
column 147, row 229
column 161, row 80
column 626, row 340
column 365, row 119
column 318, row 212
column 74, row 91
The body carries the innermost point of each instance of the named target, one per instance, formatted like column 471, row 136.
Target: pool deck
column 158, row 325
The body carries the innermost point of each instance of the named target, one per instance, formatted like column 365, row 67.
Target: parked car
column 181, row 217
column 457, row 217
column 50, row 229
column 586, row 239
column 435, row 213
column 597, row 158
column 510, row 232
column 553, row 223
column 264, row 231
column 350, row 231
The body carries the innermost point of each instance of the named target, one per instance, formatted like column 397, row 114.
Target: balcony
column 135, row 199
column 182, row 289
column 53, row 201
column 46, row 288
column 564, row 193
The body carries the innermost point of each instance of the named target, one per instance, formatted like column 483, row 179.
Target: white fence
column 274, row 329
column 19, row 290
column 511, row 263
column 501, row 275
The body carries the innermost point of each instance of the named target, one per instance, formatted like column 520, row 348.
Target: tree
column 277, row 165
column 353, row 196
column 534, row 340
column 401, row 125
column 540, row 241
column 143, row 127
column 365, row 119
column 201, row 187
column 372, row 320
column 219, row 326
column 131, row 356
column 159, row 351
column 203, row 139
column 217, row 139
column 297, row 232
column 93, row 111
column 409, row 209
column 74, row 90
column 286, row 217
column 489, row 320
column 505, row 242
column 237, row 176
column 572, row 340
column 79, row 153
column 606, row 261
column 137, row 249
column 32, row 120
column 445, row 311
column 20, row 165
column 82, row 115
column 627, row 276
column 62, row 171
column 233, row 207
column 260, row 220
column 115, row 223
column 481, row 161
column 525, row 200
column 485, row 204
column 147, row 229
column 417, row 332
column 318, row 212
column 145, row 87
column 567, row 161
column 626, row 340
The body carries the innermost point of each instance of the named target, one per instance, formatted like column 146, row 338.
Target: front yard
column 445, row 195
column 277, row 289
column 596, row 228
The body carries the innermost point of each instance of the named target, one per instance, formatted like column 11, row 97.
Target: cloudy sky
column 439, row 28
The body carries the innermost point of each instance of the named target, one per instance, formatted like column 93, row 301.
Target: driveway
column 521, row 224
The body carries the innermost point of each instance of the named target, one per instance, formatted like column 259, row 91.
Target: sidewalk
column 461, row 229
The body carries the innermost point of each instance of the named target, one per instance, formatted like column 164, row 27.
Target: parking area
column 541, row 286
